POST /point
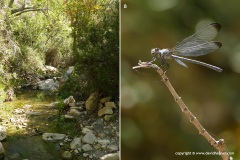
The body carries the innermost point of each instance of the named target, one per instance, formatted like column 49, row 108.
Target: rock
column 66, row 155
column 86, row 130
column 111, row 156
column 76, row 143
column 48, row 84
column 2, row 152
column 103, row 141
column 53, row 137
column 70, row 101
column 70, row 70
column 110, row 104
column 74, row 112
column 112, row 148
column 3, row 133
column 85, row 155
column 89, row 138
column 105, row 99
column 92, row 102
column 100, row 106
column 68, row 73
column 86, row 147
column 105, row 110
column 50, row 69
column 108, row 117
column 69, row 117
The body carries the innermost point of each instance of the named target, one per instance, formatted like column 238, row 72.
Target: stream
column 25, row 119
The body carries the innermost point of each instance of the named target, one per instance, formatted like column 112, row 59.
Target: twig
column 220, row 144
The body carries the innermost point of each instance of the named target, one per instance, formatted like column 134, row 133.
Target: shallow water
column 22, row 135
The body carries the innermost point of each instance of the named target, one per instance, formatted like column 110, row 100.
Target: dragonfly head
column 155, row 52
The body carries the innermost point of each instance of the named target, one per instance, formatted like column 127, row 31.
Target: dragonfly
column 195, row 45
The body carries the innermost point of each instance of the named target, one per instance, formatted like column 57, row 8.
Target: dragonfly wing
column 194, row 45
column 196, row 48
column 181, row 63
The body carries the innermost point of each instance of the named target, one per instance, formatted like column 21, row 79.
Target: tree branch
column 220, row 144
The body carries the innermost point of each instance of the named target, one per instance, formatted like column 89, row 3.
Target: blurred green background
column 152, row 125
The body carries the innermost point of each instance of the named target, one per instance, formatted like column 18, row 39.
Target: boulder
column 48, row 84
column 92, row 102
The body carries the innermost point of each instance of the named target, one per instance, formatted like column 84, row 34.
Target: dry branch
column 220, row 144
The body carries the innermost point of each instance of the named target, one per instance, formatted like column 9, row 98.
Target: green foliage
column 96, row 46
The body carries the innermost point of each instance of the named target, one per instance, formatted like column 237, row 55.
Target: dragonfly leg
column 163, row 61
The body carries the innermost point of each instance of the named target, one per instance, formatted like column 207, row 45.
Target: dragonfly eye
column 154, row 51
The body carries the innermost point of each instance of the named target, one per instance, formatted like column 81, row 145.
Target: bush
column 96, row 46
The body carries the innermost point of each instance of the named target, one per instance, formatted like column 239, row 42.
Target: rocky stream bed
column 37, row 126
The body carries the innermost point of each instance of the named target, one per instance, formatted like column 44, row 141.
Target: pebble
column 76, row 143
column 86, row 130
column 85, row 155
column 103, row 141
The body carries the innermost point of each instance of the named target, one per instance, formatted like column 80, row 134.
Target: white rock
column 112, row 147
column 3, row 133
column 89, row 138
column 76, row 143
column 53, row 136
column 86, row 147
column 111, row 156
column 103, row 141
